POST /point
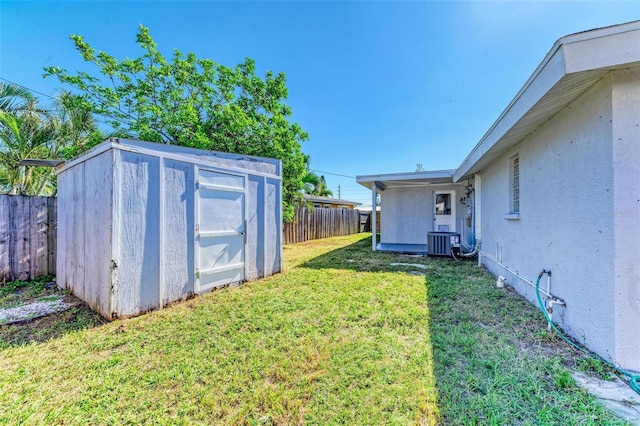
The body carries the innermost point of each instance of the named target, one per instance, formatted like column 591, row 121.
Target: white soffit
column 574, row 64
column 433, row 177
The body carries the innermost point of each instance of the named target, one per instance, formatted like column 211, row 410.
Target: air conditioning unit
column 441, row 243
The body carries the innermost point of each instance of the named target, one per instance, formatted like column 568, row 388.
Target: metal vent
column 441, row 243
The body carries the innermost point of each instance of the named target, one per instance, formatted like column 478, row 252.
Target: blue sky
column 379, row 86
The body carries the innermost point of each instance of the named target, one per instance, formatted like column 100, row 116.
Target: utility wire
column 333, row 174
column 25, row 87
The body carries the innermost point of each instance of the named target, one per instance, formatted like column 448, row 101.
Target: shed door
column 220, row 229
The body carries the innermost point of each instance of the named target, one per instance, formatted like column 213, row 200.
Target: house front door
column 444, row 215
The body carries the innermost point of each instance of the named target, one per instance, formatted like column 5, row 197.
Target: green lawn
column 341, row 337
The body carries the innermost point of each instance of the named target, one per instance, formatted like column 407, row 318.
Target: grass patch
column 17, row 292
column 339, row 338
column 494, row 361
column 597, row 368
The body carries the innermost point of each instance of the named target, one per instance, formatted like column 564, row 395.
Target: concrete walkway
column 616, row 395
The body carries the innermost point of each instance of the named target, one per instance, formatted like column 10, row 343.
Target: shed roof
column 235, row 162
column 432, row 177
column 574, row 63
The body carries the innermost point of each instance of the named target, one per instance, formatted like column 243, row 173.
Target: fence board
column 52, row 233
column 28, row 233
column 5, row 237
column 320, row 223
column 27, row 237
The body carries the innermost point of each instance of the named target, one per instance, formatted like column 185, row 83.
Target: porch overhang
column 399, row 180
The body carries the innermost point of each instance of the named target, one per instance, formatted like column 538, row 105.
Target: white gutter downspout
column 477, row 207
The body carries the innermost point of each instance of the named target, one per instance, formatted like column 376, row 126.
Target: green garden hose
column 634, row 380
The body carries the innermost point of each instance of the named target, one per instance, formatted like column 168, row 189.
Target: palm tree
column 322, row 189
column 26, row 133
column 76, row 124
column 13, row 97
column 310, row 181
column 316, row 185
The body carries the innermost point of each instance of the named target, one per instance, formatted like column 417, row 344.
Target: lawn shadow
column 493, row 360
column 359, row 257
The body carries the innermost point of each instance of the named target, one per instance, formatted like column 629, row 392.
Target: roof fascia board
column 589, row 50
column 424, row 185
column 178, row 153
column 547, row 75
column 602, row 32
column 605, row 51
column 184, row 150
column 435, row 174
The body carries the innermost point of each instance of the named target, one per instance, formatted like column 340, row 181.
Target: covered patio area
column 416, row 204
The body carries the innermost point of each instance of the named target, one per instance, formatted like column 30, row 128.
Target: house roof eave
column 407, row 179
column 576, row 62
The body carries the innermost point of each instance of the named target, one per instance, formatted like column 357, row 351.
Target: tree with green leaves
column 77, row 128
column 28, row 131
column 316, row 185
column 193, row 102
column 13, row 97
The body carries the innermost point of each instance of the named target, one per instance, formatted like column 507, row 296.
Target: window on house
column 515, row 184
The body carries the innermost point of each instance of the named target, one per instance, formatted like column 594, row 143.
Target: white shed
column 141, row 225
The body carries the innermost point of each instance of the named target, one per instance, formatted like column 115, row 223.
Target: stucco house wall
column 408, row 213
column 568, row 200
column 407, row 216
column 575, row 129
column 626, row 214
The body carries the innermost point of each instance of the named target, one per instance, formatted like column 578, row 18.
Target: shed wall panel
column 221, row 160
column 65, row 191
column 179, row 231
column 139, row 251
column 273, row 230
column 97, row 231
column 76, row 222
column 254, row 255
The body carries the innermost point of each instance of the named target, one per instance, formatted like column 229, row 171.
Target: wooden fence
column 28, row 233
column 27, row 237
column 320, row 223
